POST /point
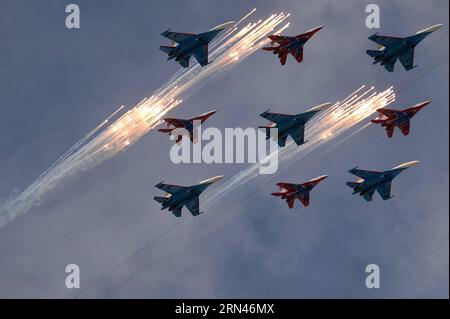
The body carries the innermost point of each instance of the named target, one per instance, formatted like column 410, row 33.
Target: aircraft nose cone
column 436, row 27
column 314, row 30
column 431, row 29
column 321, row 178
column 423, row 104
column 212, row 179
column 223, row 26
column 408, row 164
column 412, row 163
column 207, row 115
column 318, row 28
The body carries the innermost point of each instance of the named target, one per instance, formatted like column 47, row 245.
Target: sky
column 57, row 84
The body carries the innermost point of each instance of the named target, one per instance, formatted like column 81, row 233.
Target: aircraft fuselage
column 187, row 47
column 390, row 53
column 184, row 195
column 370, row 185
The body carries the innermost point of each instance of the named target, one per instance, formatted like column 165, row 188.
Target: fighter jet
column 291, row 125
column 178, row 196
column 371, row 181
column 173, row 124
column 191, row 44
column 393, row 48
column 290, row 192
column 389, row 119
column 292, row 45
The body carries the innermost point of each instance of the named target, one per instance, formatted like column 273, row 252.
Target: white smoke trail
column 103, row 143
column 326, row 126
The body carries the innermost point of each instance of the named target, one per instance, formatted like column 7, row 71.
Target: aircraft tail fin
column 166, row 48
column 184, row 62
column 266, row 130
column 389, row 66
column 160, row 199
column 352, row 185
column 175, row 210
column 373, row 53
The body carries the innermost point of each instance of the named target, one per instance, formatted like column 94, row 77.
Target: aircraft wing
column 184, row 62
column 368, row 196
column 278, row 38
column 404, row 127
column 363, row 173
column 387, row 112
column 175, row 122
column 193, row 206
column 310, row 184
column 176, row 210
column 390, row 130
column 304, row 199
column 287, row 186
column 290, row 201
column 169, row 188
column 385, row 191
column 201, row 55
column 276, row 117
column 298, row 135
column 298, row 54
column 407, row 59
column 283, row 56
column 282, row 140
column 384, row 40
column 390, row 66
column 177, row 36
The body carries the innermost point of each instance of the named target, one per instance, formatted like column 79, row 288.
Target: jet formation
column 390, row 119
column 390, row 50
column 293, row 45
column 393, row 48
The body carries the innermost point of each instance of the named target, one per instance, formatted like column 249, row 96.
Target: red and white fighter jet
column 173, row 124
column 292, row 45
column 389, row 119
column 290, row 192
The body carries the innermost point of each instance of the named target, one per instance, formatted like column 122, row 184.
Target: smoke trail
column 105, row 142
column 328, row 125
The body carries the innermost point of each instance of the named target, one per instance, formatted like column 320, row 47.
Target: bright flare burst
column 106, row 141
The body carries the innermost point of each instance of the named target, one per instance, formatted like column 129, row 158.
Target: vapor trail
column 105, row 142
